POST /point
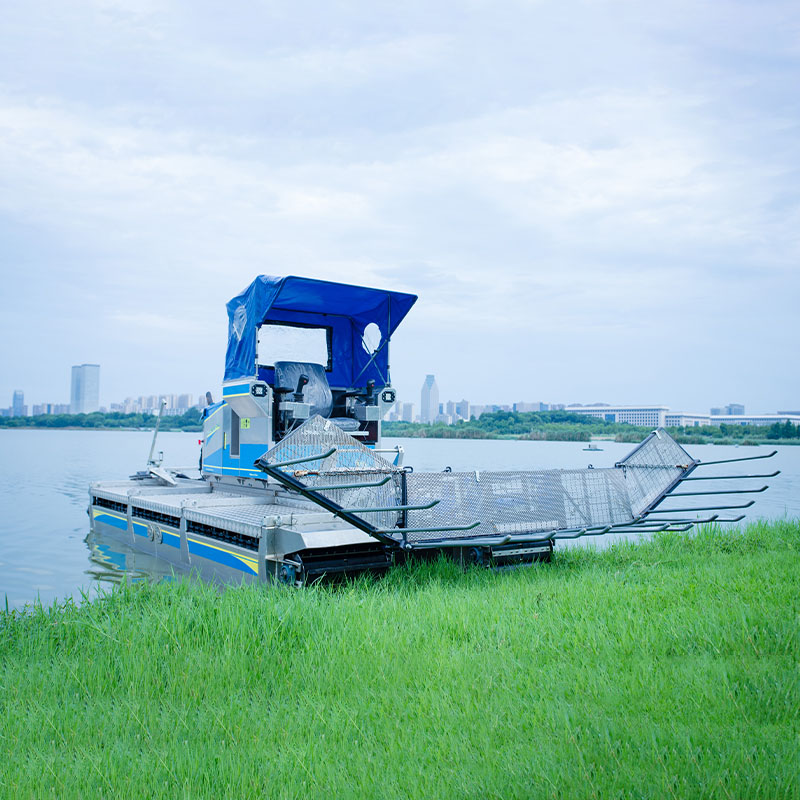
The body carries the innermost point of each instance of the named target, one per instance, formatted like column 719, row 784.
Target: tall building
column 407, row 414
column 462, row 409
column 18, row 404
column 84, row 396
column 429, row 400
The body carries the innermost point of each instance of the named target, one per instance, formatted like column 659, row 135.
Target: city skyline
column 107, row 397
column 84, row 398
column 141, row 402
column 451, row 411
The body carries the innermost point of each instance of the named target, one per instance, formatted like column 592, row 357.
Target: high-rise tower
column 84, row 396
column 429, row 400
column 18, row 404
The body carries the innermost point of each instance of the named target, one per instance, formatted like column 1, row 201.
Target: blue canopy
column 346, row 310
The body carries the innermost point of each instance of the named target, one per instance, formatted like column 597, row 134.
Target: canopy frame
column 346, row 309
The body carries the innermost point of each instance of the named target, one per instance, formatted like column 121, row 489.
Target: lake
column 47, row 554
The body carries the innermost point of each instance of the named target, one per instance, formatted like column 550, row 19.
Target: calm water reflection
column 46, row 552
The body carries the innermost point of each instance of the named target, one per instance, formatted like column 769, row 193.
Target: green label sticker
column 244, row 423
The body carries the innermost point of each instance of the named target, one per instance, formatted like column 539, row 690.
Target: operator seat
column 317, row 392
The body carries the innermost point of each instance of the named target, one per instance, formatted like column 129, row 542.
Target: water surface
column 46, row 552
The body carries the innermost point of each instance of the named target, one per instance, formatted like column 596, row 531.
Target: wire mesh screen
column 361, row 498
column 652, row 468
column 352, row 463
column 517, row 502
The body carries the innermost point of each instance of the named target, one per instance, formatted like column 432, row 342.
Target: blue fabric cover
column 346, row 309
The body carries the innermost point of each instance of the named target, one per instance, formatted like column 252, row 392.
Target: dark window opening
column 235, row 423
column 101, row 502
column 156, row 516
column 221, row 535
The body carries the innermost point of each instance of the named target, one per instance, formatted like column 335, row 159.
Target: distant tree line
column 190, row 421
column 540, row 425
column 532, row 425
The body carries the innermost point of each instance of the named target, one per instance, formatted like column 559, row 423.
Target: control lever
column 369, row 396
column 298, row 392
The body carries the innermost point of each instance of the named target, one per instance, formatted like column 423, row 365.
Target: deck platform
column 225, row 532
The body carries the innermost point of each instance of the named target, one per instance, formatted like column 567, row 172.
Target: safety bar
column 431, row 530
column 642, row 518
column 577, row 534
column 301, row 460
column 712, row 518
column 545, row 535
column 646, row 529
column 706, row 521
column 658, row 526
column 651, row 527
column 435, row 544
column 729, row 477
column 659, row 529
column 705, row 508
column 666, row 527
column 722, row 491
column 642, row 522
column 393, row 508
column 732, row 460
column 349, row 485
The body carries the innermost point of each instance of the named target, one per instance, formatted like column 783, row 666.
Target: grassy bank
column 668, row 669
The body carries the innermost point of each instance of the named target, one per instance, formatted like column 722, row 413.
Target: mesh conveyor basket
column 530, row 504
column 517, row 502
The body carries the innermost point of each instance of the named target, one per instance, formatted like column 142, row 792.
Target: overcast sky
column 594, row 201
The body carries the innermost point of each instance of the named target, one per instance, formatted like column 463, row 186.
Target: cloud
column 587, row 174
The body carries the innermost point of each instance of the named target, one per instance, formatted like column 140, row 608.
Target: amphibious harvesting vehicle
column 294, row 484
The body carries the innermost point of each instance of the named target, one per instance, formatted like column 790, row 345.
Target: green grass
column 668, row 669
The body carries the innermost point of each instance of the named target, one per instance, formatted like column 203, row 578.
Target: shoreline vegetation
column 190, row 421
column 666, row 668
column 562, row 426
column 549, row 426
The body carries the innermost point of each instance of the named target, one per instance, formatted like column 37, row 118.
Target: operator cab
column 296, row 362
column 298, row 348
